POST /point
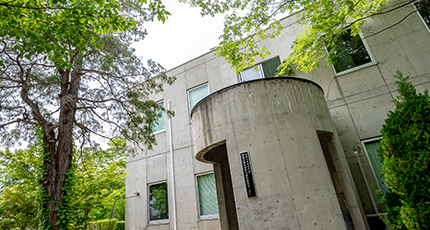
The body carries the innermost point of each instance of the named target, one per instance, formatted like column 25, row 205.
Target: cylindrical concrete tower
column 276, row 156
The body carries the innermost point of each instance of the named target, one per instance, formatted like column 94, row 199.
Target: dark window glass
column 270, row 67
column 350, row 52
column 158, row 205
column 423, row 8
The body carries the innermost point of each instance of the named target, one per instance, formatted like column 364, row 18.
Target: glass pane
column 159, row 124
column 251, row 74
column 197, row 94
column 423, row 8
column 207, row 194
column 158, row 205
column 351, row 53
column 270, row 67
column 372, row 149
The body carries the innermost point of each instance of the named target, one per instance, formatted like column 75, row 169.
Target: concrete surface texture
column 357, row 100
column 276, row 121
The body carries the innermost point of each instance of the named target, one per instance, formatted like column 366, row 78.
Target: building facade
column 250, row 151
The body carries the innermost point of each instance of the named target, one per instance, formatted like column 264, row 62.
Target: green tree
column 99, row 185
column 66, row 66
column 324, row 22
column 18, row 188
column 405, row 152
column 97, row 191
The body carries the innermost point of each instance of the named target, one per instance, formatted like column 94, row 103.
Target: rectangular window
column 266, row 69
column 159, row 124
column 351, row 52
column 208, row 205
column 196, row 94
column 158, row 204
column 372, row 150
column 423, row 8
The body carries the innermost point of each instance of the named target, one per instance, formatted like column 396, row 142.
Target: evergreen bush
column 405, row 152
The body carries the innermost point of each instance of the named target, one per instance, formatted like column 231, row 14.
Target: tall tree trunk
column 60, row 157
column 50, row 182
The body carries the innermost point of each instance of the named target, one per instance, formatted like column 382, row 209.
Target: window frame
column 164, row 119
column 260, row 69
column 420, row 16
column 161, row 221
column 353, row 69
column 210, row 216
column 260, row 72
column 189, row 99
column 363, row 143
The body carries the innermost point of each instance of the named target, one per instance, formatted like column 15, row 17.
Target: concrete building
column 256, row 152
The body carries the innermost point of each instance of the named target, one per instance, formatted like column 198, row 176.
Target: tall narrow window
column 423, row 8
column 350, row 53
column 207, row 196
column 159, row 124
column 196, row 94
column 158, row 204
column 372, row 150
column 265, row 69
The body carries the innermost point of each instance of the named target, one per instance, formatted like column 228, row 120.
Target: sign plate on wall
column 247, row 173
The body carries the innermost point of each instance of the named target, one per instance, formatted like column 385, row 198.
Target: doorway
column 328, row 147
column 224, row 187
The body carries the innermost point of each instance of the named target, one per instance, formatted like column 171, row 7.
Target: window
column 350, row 53
column 372, row 150
column 266, row 69
column 159, row 124
column 196, row 94
column 423, row 7
column 208, row 205
column 158, row 204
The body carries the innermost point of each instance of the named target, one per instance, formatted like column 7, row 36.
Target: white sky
column 184, row 36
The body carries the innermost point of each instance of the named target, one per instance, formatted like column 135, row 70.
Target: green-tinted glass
column 159, row 124
column 197, row 94
column 207, row 194
column 372, row 149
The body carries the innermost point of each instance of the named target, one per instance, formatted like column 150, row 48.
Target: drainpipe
column 171, row 169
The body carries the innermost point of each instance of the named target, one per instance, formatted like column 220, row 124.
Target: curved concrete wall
column 276, row 121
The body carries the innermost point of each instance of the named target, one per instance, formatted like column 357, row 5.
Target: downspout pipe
column 172, row 174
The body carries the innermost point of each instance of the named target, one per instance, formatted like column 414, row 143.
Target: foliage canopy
column 97, row 191
column 66, row 66
column 249, row 21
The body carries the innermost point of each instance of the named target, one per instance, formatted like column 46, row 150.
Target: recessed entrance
column 328, row 147
column 225, row 195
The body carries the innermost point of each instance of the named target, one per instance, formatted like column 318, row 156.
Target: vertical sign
column 247, row 173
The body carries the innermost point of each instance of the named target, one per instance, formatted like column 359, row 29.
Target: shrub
column 108, row 224
column 406, row 156
column 120, row 225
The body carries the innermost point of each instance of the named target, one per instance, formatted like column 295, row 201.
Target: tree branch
column 389, row 27
column 17, row 121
